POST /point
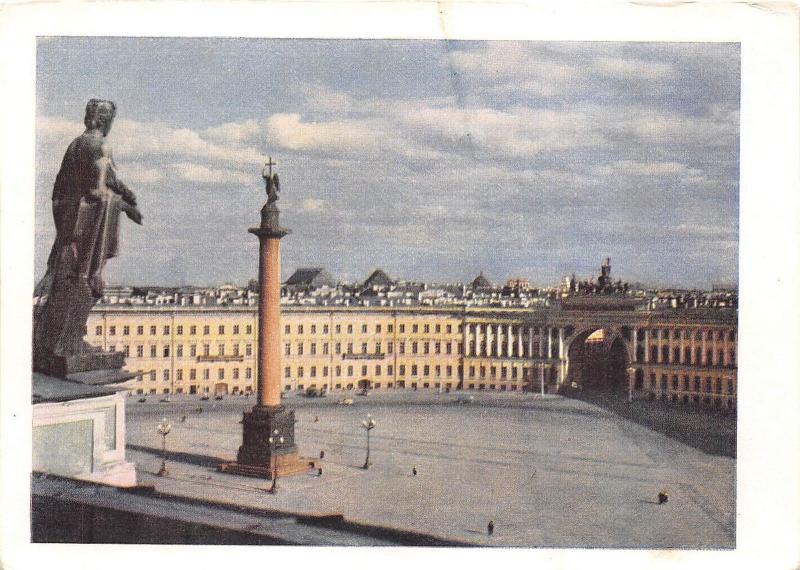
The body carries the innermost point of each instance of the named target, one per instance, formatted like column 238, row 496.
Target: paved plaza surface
column 552, row 472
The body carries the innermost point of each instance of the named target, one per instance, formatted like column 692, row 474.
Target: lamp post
column 163, row 429
column 274, row 439
column 368, row 425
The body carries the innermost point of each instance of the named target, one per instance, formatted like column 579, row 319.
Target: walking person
column 490, row 527
column 414, row 471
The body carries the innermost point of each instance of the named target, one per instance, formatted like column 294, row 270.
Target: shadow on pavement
column 181, row 457
column 707, row 430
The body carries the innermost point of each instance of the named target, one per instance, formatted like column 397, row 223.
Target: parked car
column 346, row 401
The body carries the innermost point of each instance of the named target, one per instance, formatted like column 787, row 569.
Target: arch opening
column 598, row 360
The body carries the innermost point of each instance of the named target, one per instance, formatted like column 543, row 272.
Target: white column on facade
column 561, row 346
column 509, row 340
column 477, row 339
column 541, row 342
column 725, row 349
column 646, row 346
column 549, row 342
column 634, row 344
column 530, row 342
column 520, row 353
column 682, row 347
column 467, row 343
column 489, row 339
column 702, row 348
column 660, row 337
column 541, row 378
column 714, row 348
column 499, row 340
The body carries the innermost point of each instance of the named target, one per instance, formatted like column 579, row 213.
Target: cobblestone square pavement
column 550, row 472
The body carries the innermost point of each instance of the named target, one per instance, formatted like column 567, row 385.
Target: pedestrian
column 414, row 471
column 316, row 419
column 183, row 418
column 319, row 472
column 662, row 497
column 490, row 527
column 322, row 454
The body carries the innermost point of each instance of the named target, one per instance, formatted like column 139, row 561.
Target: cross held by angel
column 272, row 183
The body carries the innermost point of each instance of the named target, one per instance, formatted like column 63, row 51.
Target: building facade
column 684, row 356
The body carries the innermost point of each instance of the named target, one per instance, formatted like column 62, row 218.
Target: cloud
column 204, row 175
column 312, row 205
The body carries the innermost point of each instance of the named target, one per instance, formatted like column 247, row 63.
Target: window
column 313, row 371
column 325, row 371
column 152, row 329
column 390, row 371
column 112, row 330
column 325, row 348
column 390, row 347
column 363, row 348
column 325, row 329
column 349, row 370
column 338, row 370
column 426, row 347
column 248, row 373
column 127, row 350
column 179, row 351
column 287, row 349
column 338, row 348
column 287, row 329
column 166, row 375
column 363, row 369
column 390, row 328
column 248, row 349
column 235, row 329
column 414, row 347
column 449, row 371
column 377, row 348
column 193, row 374
column 221, row 349
column 449, row 329
column 179, row 330
column 139, row 351
column 166, row 330
column 426, row 370
column 179, row 374
column 402, row 370
column 313, row 329
column 236, row 349
column 206, row 374
column 364, row 329
column 206, row 329
column 140, row 329
column 192, row 350
column 414, row 328
column 413, row 369
column 377, row 328
column 126, row 330
column 152, row 351
column 427, row 328
column 437, row 348
column 153, row 376
column 300, row 348
column 402, row 347
column 221, row 373
column 206, row 349
column 402, row 328
column 235, row 373
column 192, row 329
column 377, row 370
column 349, row 329
column 299, row 329
column 248, row 329
column 338, row 329
column 349, row 348
column 287, row 372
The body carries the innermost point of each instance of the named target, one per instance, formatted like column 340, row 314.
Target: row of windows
column 425, row 348
column 179, row 352
column 692, row 356
column 697, row 384
column 126, row 330
column 378, row 369
column 667, row 334
column 378, row 328
column 192, row 374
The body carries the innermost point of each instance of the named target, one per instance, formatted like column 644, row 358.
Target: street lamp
column 368, row 425
column 163, row 429
column 274, row 440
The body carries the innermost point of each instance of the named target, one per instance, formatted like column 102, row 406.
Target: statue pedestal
column 79, row 432
column 258, row 457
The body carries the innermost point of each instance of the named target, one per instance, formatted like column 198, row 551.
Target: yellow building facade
column 211, row 350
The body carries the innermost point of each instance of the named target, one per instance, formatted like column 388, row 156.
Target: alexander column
column 268, row 446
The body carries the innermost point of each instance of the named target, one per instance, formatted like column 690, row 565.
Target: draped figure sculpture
column 87, row 200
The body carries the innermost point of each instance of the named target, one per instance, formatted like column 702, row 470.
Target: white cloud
column 312, row 205
column 204, row 175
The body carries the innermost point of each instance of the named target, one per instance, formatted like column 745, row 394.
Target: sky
column 433, row 160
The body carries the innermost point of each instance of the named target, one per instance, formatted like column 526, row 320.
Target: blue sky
column 431, row 159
